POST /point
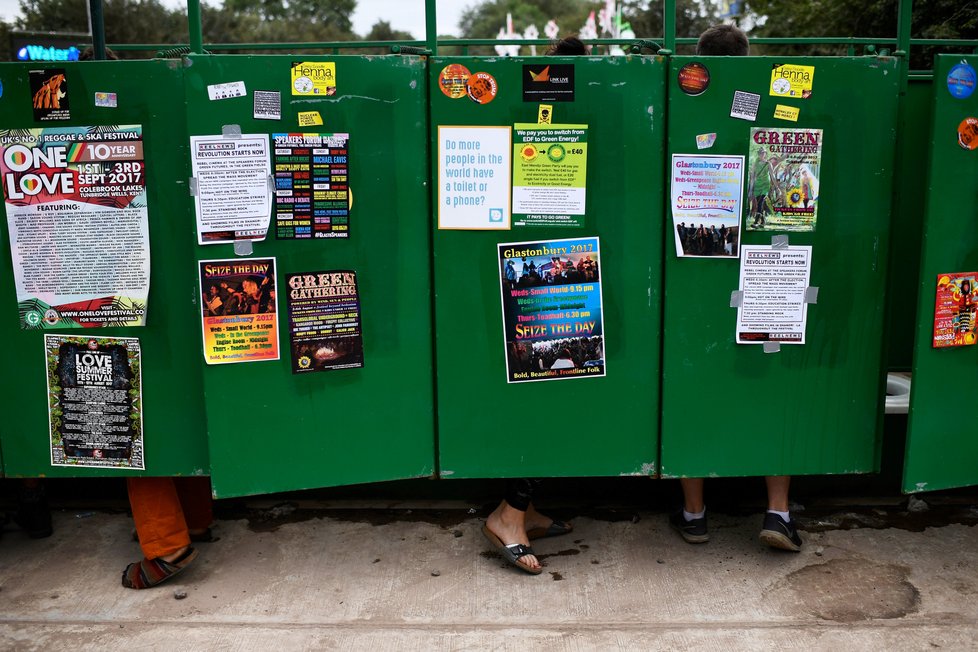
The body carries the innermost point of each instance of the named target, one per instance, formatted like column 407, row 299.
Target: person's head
column 88, row 54
column 250, row 286
column 965, row 286
column 212, row 290
column 723, row 40
column 568, row 46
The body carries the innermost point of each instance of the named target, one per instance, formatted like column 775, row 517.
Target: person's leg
column 508, row 521
column 779, row 530
column 690, row 521
column 196, row 502
column 160, row 522
column 777, row 492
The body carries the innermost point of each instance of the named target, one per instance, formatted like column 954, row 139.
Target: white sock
column 785, row 516
column 692, row 517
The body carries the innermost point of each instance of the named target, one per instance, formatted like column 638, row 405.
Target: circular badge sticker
column 481, row 88
column 961, row 80
column 968, row 133
column 452, row 80
column 528, row 152
column 556, row 153
column 694, row 78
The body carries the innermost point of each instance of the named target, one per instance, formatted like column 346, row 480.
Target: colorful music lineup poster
column 77, row 222
column 240, row 315
column 552, row 310
column 954, row 312
column 312, row 191
column 324, row 321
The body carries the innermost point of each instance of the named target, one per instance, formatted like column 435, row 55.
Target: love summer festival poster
column 552, row 309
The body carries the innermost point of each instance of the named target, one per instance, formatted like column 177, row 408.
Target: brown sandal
column 150, row 572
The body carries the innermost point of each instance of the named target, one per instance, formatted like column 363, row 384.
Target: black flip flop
column 512, row 552
column 555, row 529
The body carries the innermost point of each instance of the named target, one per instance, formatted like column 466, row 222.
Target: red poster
column 954, row 312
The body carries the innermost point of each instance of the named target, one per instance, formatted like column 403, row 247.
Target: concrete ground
column 366, row 575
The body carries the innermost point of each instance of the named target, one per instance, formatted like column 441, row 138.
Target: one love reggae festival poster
column 77, row 221
column 551, row 296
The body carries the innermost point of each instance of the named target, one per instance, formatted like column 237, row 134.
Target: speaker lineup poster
column 955, row 309
column 78, row 226
column 324, row 321
column 773, row 294
column 95, row 413
column 782, row 179
column 312, row 192
column 552, row 309
column 240, row 320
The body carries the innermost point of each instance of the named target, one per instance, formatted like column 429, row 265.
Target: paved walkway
column 356, row 576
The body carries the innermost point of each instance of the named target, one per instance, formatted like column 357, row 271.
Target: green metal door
column 942, row 445
column 602, row 426
column 147, row 93
column 730, row 409
column 269, row 429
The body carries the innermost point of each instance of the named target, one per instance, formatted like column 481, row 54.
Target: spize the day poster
column 324, row 321
column 551, row 295
column 79, row 234
column 706, row 192
column 955, row 310
column 95, row 412
column 782, row 179
column 240, row 320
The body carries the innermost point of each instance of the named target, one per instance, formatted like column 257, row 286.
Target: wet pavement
column 350, row 573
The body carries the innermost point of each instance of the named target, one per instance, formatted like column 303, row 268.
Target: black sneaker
column 778, row 533
column 692, row 531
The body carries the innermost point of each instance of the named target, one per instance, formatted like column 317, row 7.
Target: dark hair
column 723, row 40
column 88, row 54
column 568, row 46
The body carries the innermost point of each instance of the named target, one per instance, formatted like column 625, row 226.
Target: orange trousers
column 166, row 509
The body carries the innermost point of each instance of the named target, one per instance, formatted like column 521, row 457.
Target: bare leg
column 777, row 492
column 692, row 494
column 535, row 519
column 509, row 524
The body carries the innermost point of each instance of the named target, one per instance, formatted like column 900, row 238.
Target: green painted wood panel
column 270, row 430
column 149, row 93
column 942, row 443
column 729, row 409
column 570, row 427
column 906, row 223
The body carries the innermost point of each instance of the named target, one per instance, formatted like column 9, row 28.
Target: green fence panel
column 906, row 222
column 271, row 430
column 603, row 426
column 149, row 93
column 730, row 409
column 942, row 445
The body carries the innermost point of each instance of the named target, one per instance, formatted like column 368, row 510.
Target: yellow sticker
column 313, row 78
column 788, row 80
column 783, row 112
column 545, row 114
column 310, row 118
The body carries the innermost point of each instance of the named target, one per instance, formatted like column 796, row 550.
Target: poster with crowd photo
column 955, row 309
column 552, row 310
column 78, row 227
column 706, row 192
column 324, row 321
column 782, row 179
column 312, row 192
column 95, row 414
column 240, row 320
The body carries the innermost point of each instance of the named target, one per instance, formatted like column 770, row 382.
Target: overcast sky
column 407, row 15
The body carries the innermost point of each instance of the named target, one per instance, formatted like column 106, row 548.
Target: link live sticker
column 474, row 171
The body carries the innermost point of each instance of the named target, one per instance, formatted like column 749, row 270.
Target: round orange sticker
column 452, row 80
column 968, row 133
column 481, row 88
